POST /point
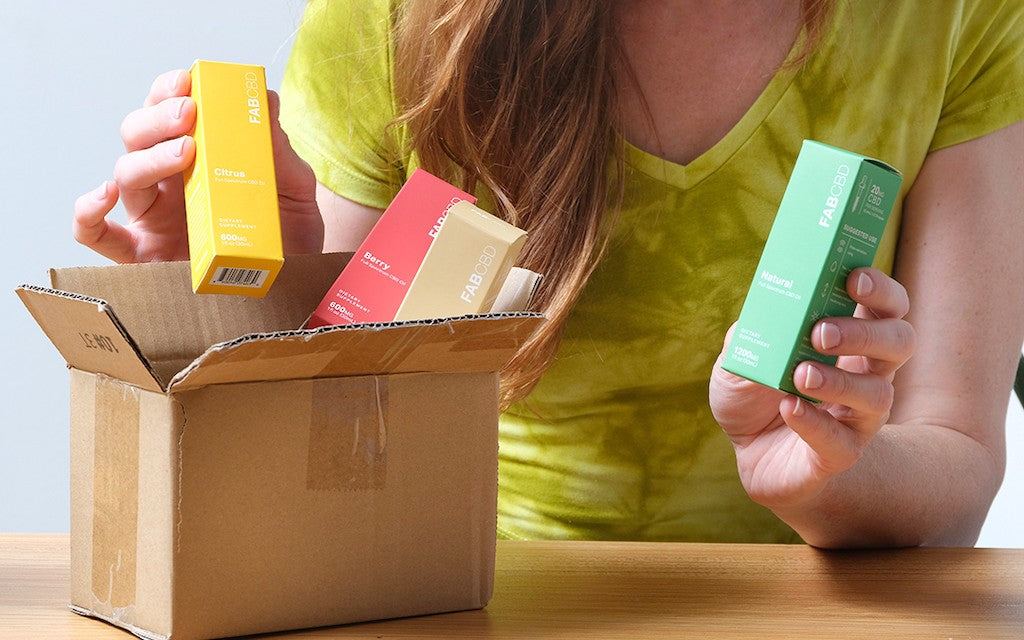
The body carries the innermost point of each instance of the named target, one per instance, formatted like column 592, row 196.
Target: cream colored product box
column 465, row 267
column 234, row 228
column 233, row 476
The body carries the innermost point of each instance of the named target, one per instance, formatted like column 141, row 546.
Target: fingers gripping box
column 234, row 228
column 831, row 218
column 232, row 476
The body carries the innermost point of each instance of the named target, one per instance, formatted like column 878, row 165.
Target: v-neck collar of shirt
column 687, row 176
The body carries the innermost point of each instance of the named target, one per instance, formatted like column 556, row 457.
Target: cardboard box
column 234, row 226
column 277, row 479
column 829, row 223
column 372, row 286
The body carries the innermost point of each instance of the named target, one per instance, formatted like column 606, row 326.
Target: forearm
column 916, row 484
column 346, row 223
column 930, row 477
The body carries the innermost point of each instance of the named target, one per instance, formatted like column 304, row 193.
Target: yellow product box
column 234, row 227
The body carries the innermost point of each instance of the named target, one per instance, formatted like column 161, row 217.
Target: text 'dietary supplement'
column 830, row 221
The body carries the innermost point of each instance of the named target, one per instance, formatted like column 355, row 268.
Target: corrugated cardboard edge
column 373, row 326
column 141, row 633
column 103, row 307
column 180, row 380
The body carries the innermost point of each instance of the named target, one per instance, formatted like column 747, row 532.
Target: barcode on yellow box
column 240, row 277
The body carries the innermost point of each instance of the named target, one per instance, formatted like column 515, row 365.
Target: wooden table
column 638, row 591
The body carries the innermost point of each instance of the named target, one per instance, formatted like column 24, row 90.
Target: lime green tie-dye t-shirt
column 617, row 441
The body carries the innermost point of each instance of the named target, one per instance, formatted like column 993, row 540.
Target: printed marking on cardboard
column 98, row 341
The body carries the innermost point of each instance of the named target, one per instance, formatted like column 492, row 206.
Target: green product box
column 830, row 222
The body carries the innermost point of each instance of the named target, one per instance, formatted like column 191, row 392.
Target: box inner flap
column 172, row 326
column 88, row 335
column 465, row 344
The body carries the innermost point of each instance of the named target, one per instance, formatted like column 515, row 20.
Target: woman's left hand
column 788, row 449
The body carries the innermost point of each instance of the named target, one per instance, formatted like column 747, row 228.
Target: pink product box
column 374, row 283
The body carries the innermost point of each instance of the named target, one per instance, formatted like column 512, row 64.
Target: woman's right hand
column 148, row 181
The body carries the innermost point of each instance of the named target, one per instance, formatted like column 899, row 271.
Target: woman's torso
column 617, row 440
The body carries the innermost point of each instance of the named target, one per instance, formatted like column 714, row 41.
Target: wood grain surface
column 620, row 590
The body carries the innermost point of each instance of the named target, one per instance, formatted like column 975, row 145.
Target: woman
column 645, row 145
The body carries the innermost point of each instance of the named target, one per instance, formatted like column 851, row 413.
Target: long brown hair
column 519, row 96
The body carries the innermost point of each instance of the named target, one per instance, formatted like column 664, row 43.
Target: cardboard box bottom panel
column 280, row 479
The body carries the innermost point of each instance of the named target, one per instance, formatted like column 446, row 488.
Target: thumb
column 295, row 179
column 741, row 407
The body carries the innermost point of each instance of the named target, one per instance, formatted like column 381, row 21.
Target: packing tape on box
column 115, row 493
column 348, row 434
column 403, row 345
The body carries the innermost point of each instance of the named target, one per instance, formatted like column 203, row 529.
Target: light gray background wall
column 72, row 71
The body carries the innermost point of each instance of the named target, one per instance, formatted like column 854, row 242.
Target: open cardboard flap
column 88, row 335
column 466, row 344
column 161, row 333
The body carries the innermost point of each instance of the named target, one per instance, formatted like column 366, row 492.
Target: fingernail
column 813, row 378
column 100, row 192
column 175, row 80
column 179, row 108
column 864, row 285
column 798, row 408
column 829, row 335
column 179, row 148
